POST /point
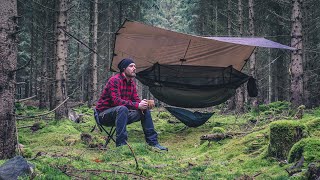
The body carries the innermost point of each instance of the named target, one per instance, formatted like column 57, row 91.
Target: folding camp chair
column 101, row 128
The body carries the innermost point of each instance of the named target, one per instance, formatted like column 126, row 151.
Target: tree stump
column 283, row 135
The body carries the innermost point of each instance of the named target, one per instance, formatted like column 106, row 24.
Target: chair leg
column 110, row 134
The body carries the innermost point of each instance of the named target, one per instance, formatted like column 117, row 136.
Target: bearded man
column 119, row 105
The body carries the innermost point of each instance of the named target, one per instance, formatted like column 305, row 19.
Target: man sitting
column 119, row 105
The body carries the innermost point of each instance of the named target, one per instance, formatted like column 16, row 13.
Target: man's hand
column 143, row 104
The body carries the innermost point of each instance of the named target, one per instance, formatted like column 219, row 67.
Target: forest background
column 55, row 55
column 61, row 50
column 87, row 34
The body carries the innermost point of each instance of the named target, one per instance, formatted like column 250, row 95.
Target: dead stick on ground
column 24, row 117
column 24, row 127
column 111, row 171
column 137, row 165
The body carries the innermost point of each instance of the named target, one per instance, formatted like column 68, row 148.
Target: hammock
column 190, row 119
column 192, row 86
column 185, row 70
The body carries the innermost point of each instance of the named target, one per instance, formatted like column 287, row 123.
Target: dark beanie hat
column 124, row 63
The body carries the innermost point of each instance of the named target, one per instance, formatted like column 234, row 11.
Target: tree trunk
column 254, row 100
column 296, row 56
column 94, row 79
column 216, row 19
column 120, row 13
column 30, row 81
column 8, row 58
column 110, row 15
column 231, row 101
column 270, row 92
column 307, row 59
column 78, row 62
column 43, row 74
column 52, row 60
column 229, row 17
column 240, row 22
column 240, row 90
column 52, row 50
column 61, row 67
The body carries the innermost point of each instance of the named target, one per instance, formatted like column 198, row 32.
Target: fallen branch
column 137, row 165
column 24, row 127
column 258, row 174
column 69, row 172
column 112, row 171
column 37, row 155
column 28, row 98
column 39, row 115
column 95, row 148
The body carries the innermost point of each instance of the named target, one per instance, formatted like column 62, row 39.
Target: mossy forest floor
column 58, row 152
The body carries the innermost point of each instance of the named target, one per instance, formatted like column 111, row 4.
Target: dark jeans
column 121, row 116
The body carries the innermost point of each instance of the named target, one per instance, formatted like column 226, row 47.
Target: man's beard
column 133, row 74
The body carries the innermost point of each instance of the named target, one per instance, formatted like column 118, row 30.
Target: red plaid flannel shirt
column 118, row 91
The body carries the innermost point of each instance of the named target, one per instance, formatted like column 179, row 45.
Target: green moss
column 62, row 126
column 27, row 152
column 314, row 124
column 275, row 107
column 309, row 148
column 218, row 130
column 84, row 110
column 283, row 134
column 164, row 115
column 186, row 159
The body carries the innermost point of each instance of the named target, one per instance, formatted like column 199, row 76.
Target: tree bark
column 94, row 76
column 231, row 101
column 229, row 17
column 270, row 74
column 61, row 56
column 240, row 22
column 8, row 58
column 240, row 91
column 254, row 100
column 43, row 74
column 52, row 60
column 30, row 81
column 296, row 55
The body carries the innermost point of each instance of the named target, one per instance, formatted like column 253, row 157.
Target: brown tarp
column 148, row 45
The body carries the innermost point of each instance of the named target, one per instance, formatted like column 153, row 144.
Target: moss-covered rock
column 309, row 148
column 314, row 124
column 283, row 135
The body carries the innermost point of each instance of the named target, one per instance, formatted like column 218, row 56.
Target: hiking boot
column 159, row 147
